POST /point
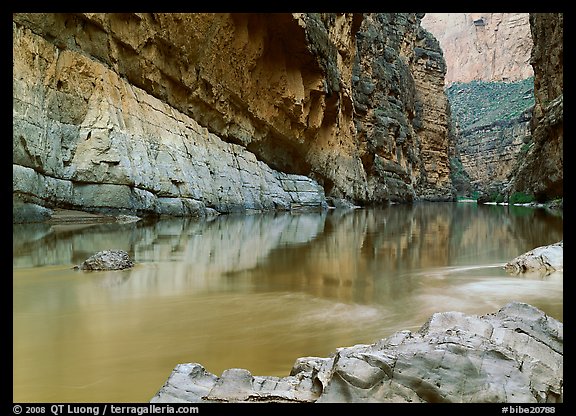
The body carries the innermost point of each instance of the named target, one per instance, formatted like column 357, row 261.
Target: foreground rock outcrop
column 190, row 113
column 512, row 356
column 542, row 260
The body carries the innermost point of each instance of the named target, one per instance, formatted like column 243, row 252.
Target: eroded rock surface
column 512, row 356
column 184, row 114
column 541, row 171
column 542, row 260
column 107, row 260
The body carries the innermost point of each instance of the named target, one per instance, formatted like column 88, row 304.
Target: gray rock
column 341, row 203
column 107, row 260
column 512, row 356
column 23, row 212
column 543, row 260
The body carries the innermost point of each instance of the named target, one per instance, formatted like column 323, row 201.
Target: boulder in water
column 543, row 260
column 107, row 260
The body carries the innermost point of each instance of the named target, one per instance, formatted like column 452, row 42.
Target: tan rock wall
column 483, row 46
column 118, row 88
column 86, row 138
column 436, row 143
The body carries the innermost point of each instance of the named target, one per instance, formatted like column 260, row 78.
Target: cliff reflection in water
column 254, row 291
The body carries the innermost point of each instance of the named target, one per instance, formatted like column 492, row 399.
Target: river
column 254, row 291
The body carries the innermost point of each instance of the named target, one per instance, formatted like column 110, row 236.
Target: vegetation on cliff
column 491, row 125
column 478, row 103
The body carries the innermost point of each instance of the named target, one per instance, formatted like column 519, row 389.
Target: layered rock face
column 512, row 356
column 181, row 114
column 401, row 110
column 489, row 153
column 493, row 49
column 483, row 46
column 493, row 128
column 541, row 171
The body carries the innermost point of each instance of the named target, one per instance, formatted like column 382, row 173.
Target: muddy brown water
column 254, row 291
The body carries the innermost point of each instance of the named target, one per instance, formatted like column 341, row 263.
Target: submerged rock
column 543, row 260
column 512, row 356
column 107, row 260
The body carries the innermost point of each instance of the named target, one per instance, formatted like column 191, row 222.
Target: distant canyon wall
column 512, row 155
column 483, row 46
column 181, row 114
column 492, row 123
column 489, row 153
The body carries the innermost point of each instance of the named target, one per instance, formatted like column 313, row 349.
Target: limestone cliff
column 493, row 126
column 483, row 46
column 487, row 77
column 541, row 171
column 401, row 109
column 181, row 114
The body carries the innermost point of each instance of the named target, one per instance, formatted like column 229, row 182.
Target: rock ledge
column 512, row 356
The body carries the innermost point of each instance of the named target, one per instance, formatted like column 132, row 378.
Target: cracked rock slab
column 512, row 356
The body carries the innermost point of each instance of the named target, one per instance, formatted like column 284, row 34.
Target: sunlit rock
column 512, row 356
column 543, row 260
column 483, row 46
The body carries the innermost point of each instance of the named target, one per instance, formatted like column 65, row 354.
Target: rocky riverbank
column 512, row 356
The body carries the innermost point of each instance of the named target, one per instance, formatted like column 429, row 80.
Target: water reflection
column 254, row 291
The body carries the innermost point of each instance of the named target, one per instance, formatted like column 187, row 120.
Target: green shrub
column 480, row 103
column 496, row 197
column 524, row 149
column 475, row 194
column 520, row 198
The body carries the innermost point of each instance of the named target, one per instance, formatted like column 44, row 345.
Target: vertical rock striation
column 541, row 171
column 401, row 110
column 183, row 114
column 488, row 57
column 437, row 144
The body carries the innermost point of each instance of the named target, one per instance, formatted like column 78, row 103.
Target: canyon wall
column 541, row 171
column 186, row 114
column 493, row 127
column 490, row 151
column 483, row 46
column 401, row 110
column 490, row 86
